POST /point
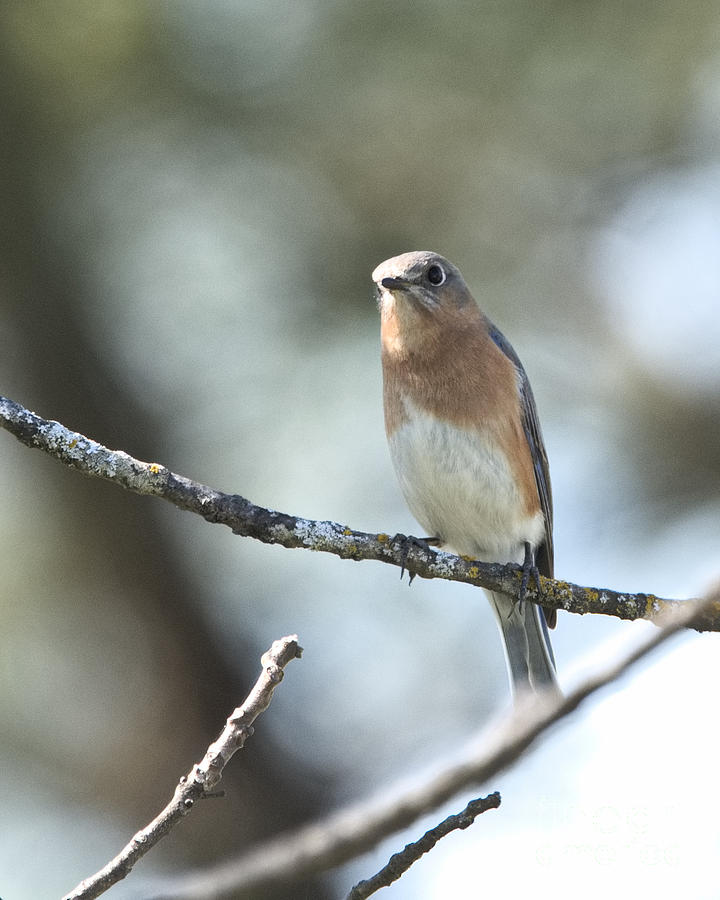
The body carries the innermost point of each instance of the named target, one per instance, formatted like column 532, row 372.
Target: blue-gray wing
column 544, row 557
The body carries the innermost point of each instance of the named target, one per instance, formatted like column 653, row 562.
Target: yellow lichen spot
column 473, row 571
column 347, row 531
column 72, row 444
column 383, row 538
column 155, row 468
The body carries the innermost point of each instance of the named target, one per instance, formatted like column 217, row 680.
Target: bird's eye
column 435, row 275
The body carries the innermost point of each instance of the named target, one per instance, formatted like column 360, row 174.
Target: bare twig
column 271, row 527
column 399, row 863
column 346, row 834
column 203, row 776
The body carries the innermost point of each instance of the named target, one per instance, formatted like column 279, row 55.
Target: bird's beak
column 394, row 283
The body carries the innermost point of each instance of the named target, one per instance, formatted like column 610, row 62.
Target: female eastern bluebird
column 465, row 441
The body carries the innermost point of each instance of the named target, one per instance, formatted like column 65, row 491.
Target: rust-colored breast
column 446, row 364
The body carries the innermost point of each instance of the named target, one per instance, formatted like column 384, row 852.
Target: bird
column 466, row 444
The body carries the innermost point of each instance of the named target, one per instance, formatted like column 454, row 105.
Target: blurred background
column 194, row 195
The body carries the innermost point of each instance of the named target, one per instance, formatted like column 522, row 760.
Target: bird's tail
column 528, row 653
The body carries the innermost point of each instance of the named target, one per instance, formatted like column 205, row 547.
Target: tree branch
column 400, row 862
column 203, row 777
column 271, row 527
column 345, row 834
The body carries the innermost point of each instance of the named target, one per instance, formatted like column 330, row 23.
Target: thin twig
column 349, row 832
column 271, row 527
column 202, row 778
column 399, row 863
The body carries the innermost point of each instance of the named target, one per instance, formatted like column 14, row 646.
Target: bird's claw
column 406, row 541
column 528, row 569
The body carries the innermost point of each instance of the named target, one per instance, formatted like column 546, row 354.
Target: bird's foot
column 406, row 542
column 528, row 569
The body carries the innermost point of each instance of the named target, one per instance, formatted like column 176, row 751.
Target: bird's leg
column 529, row 568
column 407, row 541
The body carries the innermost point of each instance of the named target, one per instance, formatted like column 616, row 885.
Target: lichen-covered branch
column 271, row 527
column 202, row 778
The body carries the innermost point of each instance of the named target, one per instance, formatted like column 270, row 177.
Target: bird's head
column 422, row 299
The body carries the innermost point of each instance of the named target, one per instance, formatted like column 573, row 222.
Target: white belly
column 460, row 488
